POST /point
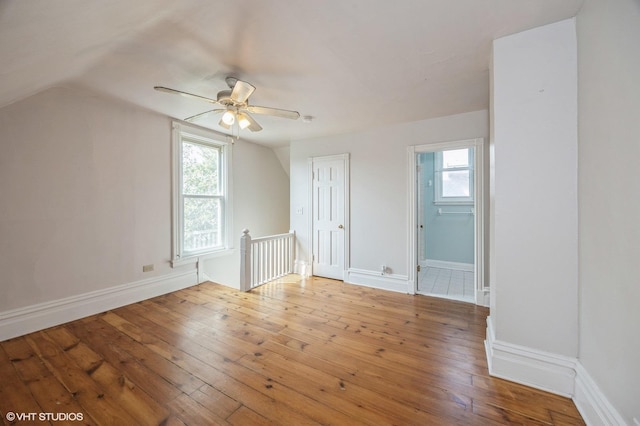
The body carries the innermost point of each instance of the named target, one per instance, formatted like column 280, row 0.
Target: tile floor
column 449, row 283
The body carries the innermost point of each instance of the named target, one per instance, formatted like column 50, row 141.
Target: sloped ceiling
column 350, row 64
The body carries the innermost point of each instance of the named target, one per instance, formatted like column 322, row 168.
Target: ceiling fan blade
column 185, row 94
column 202, row 114
column 241, row 91
column 253, row 124
column 284, row 113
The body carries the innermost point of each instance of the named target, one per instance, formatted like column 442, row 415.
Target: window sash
column 199, row 239
column 440, row 170
column 450, row 189
column 190, row 182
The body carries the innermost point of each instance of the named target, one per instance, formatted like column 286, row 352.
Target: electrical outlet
column 299, row 210
column 147, row 268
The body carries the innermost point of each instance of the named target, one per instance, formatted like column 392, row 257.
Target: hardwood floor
column 291, row 352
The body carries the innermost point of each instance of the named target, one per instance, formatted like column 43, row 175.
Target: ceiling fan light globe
column 243, row 121
column 228, row 117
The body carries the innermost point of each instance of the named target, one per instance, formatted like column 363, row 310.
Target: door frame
column 481, row 290
column 345, row 158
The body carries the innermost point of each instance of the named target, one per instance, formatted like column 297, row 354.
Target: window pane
column 202, row 227
column 200, row 165
column 455, row 158
column 455, row 184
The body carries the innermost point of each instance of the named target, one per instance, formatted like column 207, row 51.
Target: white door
column 329, row 205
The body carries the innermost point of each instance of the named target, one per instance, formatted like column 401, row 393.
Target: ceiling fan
column 235, row 103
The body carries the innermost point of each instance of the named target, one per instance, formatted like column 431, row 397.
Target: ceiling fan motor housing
column 224, row 98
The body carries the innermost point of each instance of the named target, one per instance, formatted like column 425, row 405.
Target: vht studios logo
column 44, row 417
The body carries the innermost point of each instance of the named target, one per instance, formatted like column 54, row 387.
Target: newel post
column 245, row 260
column 292, row 251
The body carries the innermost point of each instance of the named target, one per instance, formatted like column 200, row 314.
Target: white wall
column 85, row 203
column 609, row 190
column 282, row 153
column 379, row 216
column 260, row 203
column 85, row 199
column 535, row 279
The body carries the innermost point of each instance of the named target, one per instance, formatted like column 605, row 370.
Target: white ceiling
column 351, row 64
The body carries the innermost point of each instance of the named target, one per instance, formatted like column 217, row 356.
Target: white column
column 533, row 326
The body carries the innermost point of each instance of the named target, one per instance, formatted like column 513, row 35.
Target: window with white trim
column 201, row 188
column 454, row 176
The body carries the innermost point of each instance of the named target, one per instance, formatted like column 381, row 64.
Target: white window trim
column 179, row 132
column 439, row 168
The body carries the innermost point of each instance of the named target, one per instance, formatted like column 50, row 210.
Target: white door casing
column 422, row 236
column 329, row 206
column 481, row 289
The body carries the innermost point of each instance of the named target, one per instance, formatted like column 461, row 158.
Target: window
column 201, row 202
column 454, row 176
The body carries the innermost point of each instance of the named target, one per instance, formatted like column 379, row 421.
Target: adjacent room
column 336, row 212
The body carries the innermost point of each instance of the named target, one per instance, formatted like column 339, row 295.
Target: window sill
column 187, row 260
column 454, row 203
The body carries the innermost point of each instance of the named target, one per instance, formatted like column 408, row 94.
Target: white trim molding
column 458, row 266
column 375, row 279
column 553, row 373
column 593, row 405
column 531, row 367
column 302, row 268
column 483, row 296
column 193, row 260
column 17, row 322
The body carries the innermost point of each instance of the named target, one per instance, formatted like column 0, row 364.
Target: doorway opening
column 446, row 225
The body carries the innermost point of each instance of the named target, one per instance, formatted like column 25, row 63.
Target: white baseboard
column 593, row 405
column 482, row 297
column 17, row 322
column 531, row 367
column 552, row 373
column 203, row 277
column 302, row 268
column 468, row 267
column 392, row 282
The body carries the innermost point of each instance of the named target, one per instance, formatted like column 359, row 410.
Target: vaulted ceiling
column 350, row 64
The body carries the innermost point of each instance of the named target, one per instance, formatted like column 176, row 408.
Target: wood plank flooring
column 291, row 352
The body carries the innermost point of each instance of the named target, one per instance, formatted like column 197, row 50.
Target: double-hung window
column 201, row 186
column 454, row 176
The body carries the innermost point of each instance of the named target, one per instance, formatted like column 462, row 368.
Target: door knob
column 340, row 226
